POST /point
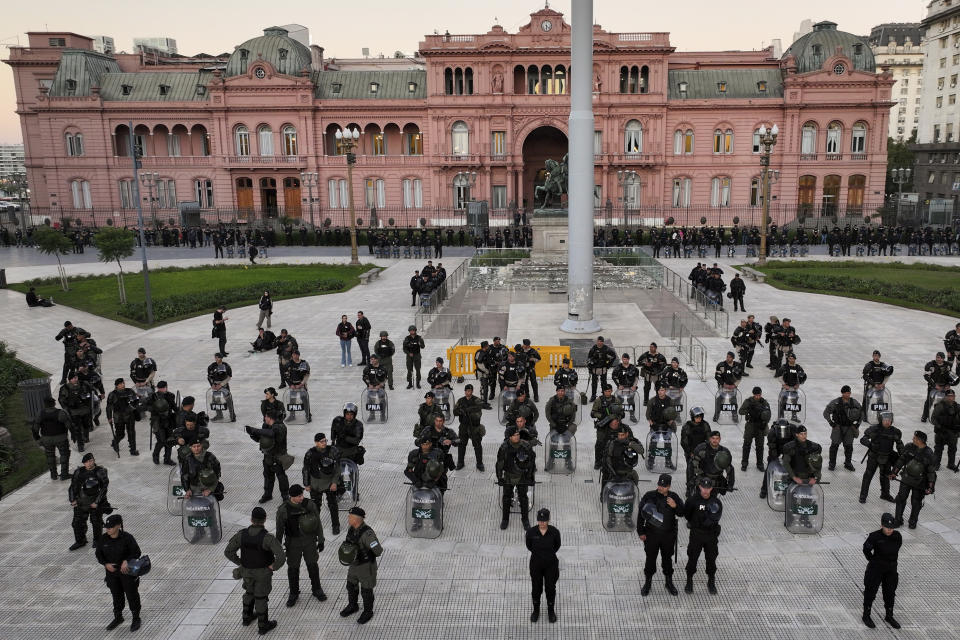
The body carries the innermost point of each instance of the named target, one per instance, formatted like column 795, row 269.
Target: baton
column 113, row 432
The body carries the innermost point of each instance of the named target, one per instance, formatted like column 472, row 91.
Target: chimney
column 316, row 57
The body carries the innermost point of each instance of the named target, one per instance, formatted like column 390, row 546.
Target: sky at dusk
column 384, row 27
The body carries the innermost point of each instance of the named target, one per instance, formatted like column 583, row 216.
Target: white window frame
column 597, row 143
column 633, row 137
column 834, row 138
column 417, row 193
column 139, row 145
column 74, row 144
column 756, row 192
column 498, row 196
column 461, row 192
column 757, row 145
column 858, row 139
column 290, row 141
column 203, row 192
column 126, row 194
column 173, row 145
column 808, row 139
column 333, row 193
column 241, row 141
column 265, row 140
column 720, row 191
column 460, row 138
column 498, row 143
column 80, row 191
column 344, row 194
column 681, row 192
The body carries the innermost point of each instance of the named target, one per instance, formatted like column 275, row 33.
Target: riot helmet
column 722, row 459
column 91, row 486
column 349, row 407
column 630, row 457
column 696, row 411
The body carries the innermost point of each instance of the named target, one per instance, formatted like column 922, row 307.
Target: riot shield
column 878, row 400
column 661, row 451
column 573, row 394
column 424, row 513
column 297, row 404
column 349, row 494
column 374, row 403
column 727, row 404
column 628, row 398
column 803, row 508
column 792, row 404
column 679, row 398
column 936, row 395
column 561, row 457
column 201, row 520
column 443, row 398
column 507, row 396
column 777, row 482
column 218, row 402
column 618, row 506
column 515, row 503
column 143, row 392
column 175, row 493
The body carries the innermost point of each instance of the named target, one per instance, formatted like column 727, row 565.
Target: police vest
column 50, row 424
column 292, row 526
column 252, row 553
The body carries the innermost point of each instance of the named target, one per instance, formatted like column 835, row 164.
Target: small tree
column 50, row 241
column 114, row 244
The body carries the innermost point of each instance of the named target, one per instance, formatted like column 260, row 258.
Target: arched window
column 683, row 142
column 858, row 141
column 448, row 81
column 644, row 79
column 633, row 137
column 831, row 195
column 856, row 186
column 806, row 191
column 681, row 192
column 289, row 141
column 560, row 79
column 460, row 138
column 337, row 193
column 720, row 192
column 834, row 135
column 756, row 192
column 241, row 140
column 533, row 79
column 634, row 79
column 461, row 191
column 74, row 142
column 265, row 140
column 458, row 82
column 468, row 81
column 624, row 79
column 546, row 80
column 127, row 199
column 808, row 139
column 723, row 141
column 166, row 193
column 80, row 190
column 756, row 146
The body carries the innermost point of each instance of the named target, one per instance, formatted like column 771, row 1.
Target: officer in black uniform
column 50, row 429
column 843, row 414
column 116, row 550
column 219, row 374
column 781, row 432
column 88, row 497
column 321, row 476
column 272, row 437
column 875, row 373
column 412, row 346
column 163, row 406
column 76, row 399
column 652, row 364
column 384, row 350
column 122, row 404
column 143, row 369
column 511, row 373
column 657, row 528
column 728, row 374
column 566, row 377
column 439, row 376
column 672, row 377
column 938, row 376
column 884, row 444
column 599, row 359
column 271, row 403
column 946, row 425
column 531, row 358
column 703, row 511
column 469, row 409
column 918, row 477
column 882, row 550
column 951, row 344
column 627, row 376
column 543, row 542
column 346, row 433
column 516, row 466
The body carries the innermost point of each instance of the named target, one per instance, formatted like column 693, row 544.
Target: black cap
column 440, row 360
column 675, row 359
column 188, row 400
column 384, row 334
column 888, row 521
column 117, row 381
column 67, row 324
column 295, row 490
column 876, row 352
column 566, row 360
column 845, row 389
column 799, row 429
column 258, row 514
column 921, row 435
column 218, row 355
column 665, row 480
column 295, row 352
column 496, row 338
column 162, row 384
column 320, row 435
column 141, row 350
column 469, row 386
column 87, row 456
column 607, row 387
column 599, row 338
column 526, row 341
column 357, row 511
column 113, row 521
column 940, row 354
column 428, row 394
column 706, row 482
column 484, row 343
column 757, row 390
column 950, row 392
column 511, row 431
column 543, row 515
column 714, row 433
column 72, row 375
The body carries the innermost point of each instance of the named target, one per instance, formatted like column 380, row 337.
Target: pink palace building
column 469, row 117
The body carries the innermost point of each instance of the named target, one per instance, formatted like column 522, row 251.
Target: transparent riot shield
column 443, row 398
column 175, row 492
column 297, row 404
column 803, row 508
column 628, row 398
column 618, row 506
column 727, row 404
column 561, row 457
column 573, row 394
column 424, row 513
column 143, row 392
column 936, row 395
column 507, row 396
column 679, row 398
column 661, row 451
column 878, row 400
column 777, row 482
column 218, row 404
column 201, row 520
column 792, row 405
column 515, row 503
column 349, row 483
column 373, row 402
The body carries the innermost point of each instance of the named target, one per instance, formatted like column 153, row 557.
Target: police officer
column 346, row 432
column 469, row 409
column 756, row 410
column 321, row 476
column 298, row 519
column 703, row 511
column 946, row 425
column 426, row 412
column 713, row 460
column 770, row 330
column 875, row 374
column 917, row 467
column 657, row 528
column 605, row 408
column 384, row 350
column 778, row 436
column 273, row 443
column 511, row 373
column 485, row 366
column 951, row 344
column 626, row 376
column 599, row 359
column 260, row 555
column 566, row 377
column 884, row 444
column 359, row 552
column 802, row 459
column 843, row 414
column 785, row 339
column 938, row 376
column 363, row 328
column 122, row 406
column 882, row 550
column 89, row 375
column 286, row 344
column 439, row 376
column 270, row 403
column 560, row 412
column 523, row 406
column 374, row 375
column 727, row 374
column 412, row 346
column 427, row 468
column 296, row 375
column 143, row 369
column 116, row 551
column 543, row 542
column 531, row 358
column 791, row 377
column 672, row 377
column 200, row 472
column 50, row 429
column 88, row 497
column 163, row 406
column 621, row 454
column 219, row 374
column 191, row 431
column 515, row 468
column 76, row 399
column 651, row 364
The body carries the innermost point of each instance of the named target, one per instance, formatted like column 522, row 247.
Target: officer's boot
column 478, row 451
column 248, row 615
column 132, row 441
column 334, row 515
column 505, row 509
column 712, row 585
column 867, row 620
column 367, row 612
column 264, row 623
column 670, row 587
column 688, row 588
column 535, row 614
column 156, row 452
column 461, row 451
column 166, row 456
column 353, row 593
column 848, row 459
column 645, row 589
column 293, row 577
column 890, row 620
column 524, row 511
column 313, row 570
column 833, row 456
column 551, row 612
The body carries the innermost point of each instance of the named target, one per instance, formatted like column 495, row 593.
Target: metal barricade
column 460, row 359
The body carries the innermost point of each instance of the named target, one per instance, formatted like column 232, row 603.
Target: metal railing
column 691, row 347
column 431, row 303
column 702, row 305
column 463, row 328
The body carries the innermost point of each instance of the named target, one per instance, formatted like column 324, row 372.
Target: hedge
column 938, row 298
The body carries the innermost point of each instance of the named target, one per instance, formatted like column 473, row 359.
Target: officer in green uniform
column 200, row 473
column 321, row 476
column 560, row 412
column 843, row 416
column 76, row 398
column 298, row 519
column 756, row 409
column 917, row 467
column 946, row 429
column 884, row 444
column 469, row 409
column 384, row 350
column 604, row 408
column 802, row 459
column 260, row 555
column 273, row 444
column 617, row 464
column 359, row 552
column 516, row 466
column 426, row 413
column 50, row 429
column 712, row 460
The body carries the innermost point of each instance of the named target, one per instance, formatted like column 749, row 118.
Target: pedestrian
column 657, row 528
column 116, row 551
column 219, row 331
column 88, row 497
column 50, row 429
column 266, row 308
column 543, row 542
column 703, row 511
column 363, row 338
column 252, row 253
column 412, row 346
column 882, row 550
column 737, row 288
column 346, row 333
column 359, row 552
column 298, row 518
column 260, row 555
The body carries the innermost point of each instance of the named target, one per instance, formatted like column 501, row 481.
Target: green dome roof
column 275, row 46
column 813, row 49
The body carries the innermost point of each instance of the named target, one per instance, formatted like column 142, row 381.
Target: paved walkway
column 472, row 581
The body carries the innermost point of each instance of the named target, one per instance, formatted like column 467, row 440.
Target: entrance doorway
column 245, row 194
column 291, row 197
column 268, row 196
column 541, row 144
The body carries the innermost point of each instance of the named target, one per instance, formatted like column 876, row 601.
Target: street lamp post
column 309, row 178
column 348, row 139
column 901, row 176
column 149, row 180
column 143, row 241
column 625, row 179
column 768, row 138
column 19, row 180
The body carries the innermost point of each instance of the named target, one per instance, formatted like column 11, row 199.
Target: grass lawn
column 921, row 286
column 185, row 293
column 32, row 461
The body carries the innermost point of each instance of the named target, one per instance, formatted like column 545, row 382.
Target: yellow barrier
column 460, row 360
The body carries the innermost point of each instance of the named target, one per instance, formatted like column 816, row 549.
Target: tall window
column 166, row 194
column 344, row 193
column 333, row 193
column 139, row 145
column 378, row 145
column 80, row 190
column 74, row 144
column 374, row 193
column 461, row 192
column 242, row 141
column 808, row 139
column 498, row 143
column 289, row 141
column 723, row 141
column 460, row 138
column 499, row 197
column 265, row 140
column 756, row 146
column 683, row 142
column 681, row 192
column 633, row 137
column 597, row 142
column 412, row 193
column 856, row 185
column 126, row 194
column 858, row 142
column 413, row 144
column 173, row 145
column 720, row 192
column 631, row 194
column 834, row 132
column 756, row 192
column 203, row 192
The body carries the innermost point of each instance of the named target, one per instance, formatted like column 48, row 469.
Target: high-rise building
column 103, row 44
column 806, row 26
column 159, row 44
column 11, row 160
column 299, row 33
column 897, row 48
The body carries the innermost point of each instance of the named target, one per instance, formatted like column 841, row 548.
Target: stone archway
column 544, row 142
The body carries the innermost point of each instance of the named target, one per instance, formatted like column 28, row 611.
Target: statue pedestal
column 550, row 233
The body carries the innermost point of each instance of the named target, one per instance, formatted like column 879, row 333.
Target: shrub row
column 937, row 298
